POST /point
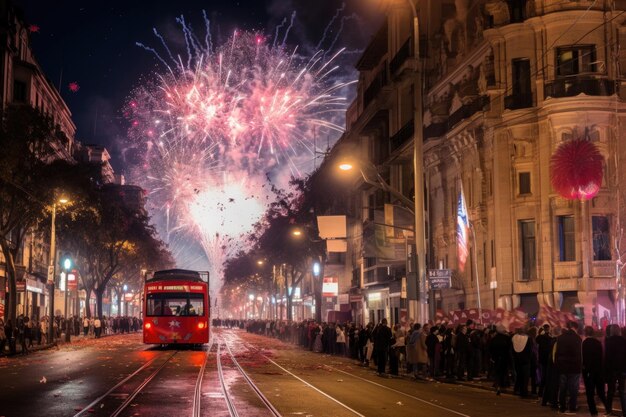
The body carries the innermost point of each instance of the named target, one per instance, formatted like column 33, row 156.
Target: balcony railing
column 376, row 275
column 435, row 130
column 518, row 101
column 580, row 84
column 401, row 56
column 371, row 92
column 402, row 136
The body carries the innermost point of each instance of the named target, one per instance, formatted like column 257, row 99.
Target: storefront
column 31, row 296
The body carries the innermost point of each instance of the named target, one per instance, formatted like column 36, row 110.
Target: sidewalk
column 58, row 342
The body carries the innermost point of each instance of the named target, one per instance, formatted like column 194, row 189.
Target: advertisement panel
column 330, row 287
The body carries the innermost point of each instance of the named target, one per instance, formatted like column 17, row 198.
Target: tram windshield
column 175, row 304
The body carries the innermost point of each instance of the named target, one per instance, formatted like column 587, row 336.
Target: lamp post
column 52, row 265
column 418, row 169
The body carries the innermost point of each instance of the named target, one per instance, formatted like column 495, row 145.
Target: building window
column 567, row 242
column 573, row 60
column 601, row 238
column 19, row 91
column 493, row 254
column 524, row 183
column 517, row 10
column 521, row 77
column 527, row 245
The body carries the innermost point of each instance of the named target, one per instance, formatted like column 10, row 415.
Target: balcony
column 518, row 101
column 467, row 110
column 372, row 90
column 401, row 56
column 376, row 275
column 435, row 130
column 402, row 136
column 580, row 84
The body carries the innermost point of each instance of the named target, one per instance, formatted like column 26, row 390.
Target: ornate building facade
column 504, row 83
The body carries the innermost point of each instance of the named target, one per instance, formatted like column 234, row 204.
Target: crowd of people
column 26, row 332
column 545, row 363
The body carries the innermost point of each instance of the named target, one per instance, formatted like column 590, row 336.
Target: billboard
column 330, row 287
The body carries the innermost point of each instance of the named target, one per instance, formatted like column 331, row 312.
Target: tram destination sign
column 439, row 279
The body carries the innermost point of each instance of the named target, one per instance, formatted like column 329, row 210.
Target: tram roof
column 176, row 274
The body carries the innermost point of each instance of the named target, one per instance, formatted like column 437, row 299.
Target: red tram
column 176, row 308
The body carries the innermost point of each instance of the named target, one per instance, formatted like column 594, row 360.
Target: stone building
column 504, row 83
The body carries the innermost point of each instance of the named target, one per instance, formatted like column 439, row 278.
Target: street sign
column 403, row 288
column 50, row 274
column 439, row 279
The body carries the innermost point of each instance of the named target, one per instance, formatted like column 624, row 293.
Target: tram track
column 90, row 407
column 113, row 393
column 225, row 389
column 410, row 396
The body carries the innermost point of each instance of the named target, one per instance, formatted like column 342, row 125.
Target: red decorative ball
column 576, row 170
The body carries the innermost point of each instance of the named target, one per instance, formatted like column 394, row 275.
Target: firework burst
column 206, row 132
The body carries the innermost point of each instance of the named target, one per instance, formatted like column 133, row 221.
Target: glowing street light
column 345, row 166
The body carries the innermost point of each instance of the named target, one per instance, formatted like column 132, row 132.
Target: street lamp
column 52, row 263
column 378, row 181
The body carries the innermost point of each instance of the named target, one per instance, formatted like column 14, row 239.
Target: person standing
column 568, row 361
column 615, row 365
column 500, row 350
column 411, row 349
column 97, row 327
column 85, row 326
column 341, row 341
column 544, row 342
column 462, row 351
column 592, row 370
column 522, row 352
column 382, row 341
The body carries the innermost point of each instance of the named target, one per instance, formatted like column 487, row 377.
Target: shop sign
column 330, row 287
column 356, row 298
column 439, row 279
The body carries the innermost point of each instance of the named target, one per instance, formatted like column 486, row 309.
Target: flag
column 462, row 229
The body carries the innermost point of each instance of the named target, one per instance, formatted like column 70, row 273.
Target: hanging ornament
column 576, row 170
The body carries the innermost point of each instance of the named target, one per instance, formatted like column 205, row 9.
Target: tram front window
column 175, row 304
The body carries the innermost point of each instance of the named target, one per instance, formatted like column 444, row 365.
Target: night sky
column 92, row 43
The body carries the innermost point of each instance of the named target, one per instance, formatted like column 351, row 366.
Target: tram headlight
column 147, row 326
column 201, row 325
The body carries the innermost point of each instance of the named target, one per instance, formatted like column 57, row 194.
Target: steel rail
column 229, row 402
column 116, row 386
column 254, row 387
column 197, row 393
column 146, row 381
column 259, row 352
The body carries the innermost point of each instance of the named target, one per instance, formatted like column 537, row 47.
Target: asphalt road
column 92, row 378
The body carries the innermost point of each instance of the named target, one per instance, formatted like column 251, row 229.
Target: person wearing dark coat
column 500, row 350
column 615, row 365
column 522, row 352
column 382, row 342
column 544, row 343
column 568, row 361
column 462, row 351
column 592, row 370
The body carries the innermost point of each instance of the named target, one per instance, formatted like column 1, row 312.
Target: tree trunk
column 10, row 312
column 87, row 303
column 99, row 294
column 119, row 303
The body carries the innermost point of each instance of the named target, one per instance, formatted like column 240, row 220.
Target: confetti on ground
column 43, row 380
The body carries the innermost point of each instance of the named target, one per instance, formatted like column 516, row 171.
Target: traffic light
column 67, row 262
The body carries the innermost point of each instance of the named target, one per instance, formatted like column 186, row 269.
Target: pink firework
column 230, row 116
column 33, row 28
column 73, row 87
